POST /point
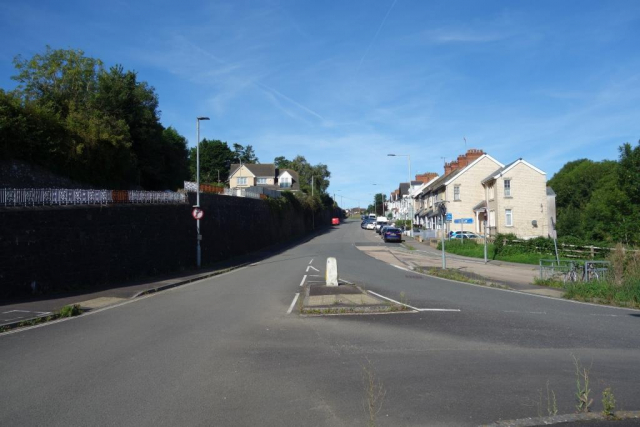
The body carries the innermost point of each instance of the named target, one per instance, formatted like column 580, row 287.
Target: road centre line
column 411, row 307
column 303, row 279
column 293, row 303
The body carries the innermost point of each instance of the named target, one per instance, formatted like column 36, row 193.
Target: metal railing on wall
column 251, row 192
column 17, row 197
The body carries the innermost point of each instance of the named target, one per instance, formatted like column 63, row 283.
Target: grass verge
column 453, row 274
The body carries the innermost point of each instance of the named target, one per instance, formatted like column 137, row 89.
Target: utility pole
column 485, row 239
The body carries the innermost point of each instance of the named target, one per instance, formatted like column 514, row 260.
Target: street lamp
column 411, row 203
column 199, row 236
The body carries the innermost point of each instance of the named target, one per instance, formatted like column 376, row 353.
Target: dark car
column 392, row 234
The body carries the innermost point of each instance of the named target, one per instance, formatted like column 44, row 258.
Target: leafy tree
column 215, row 156
column 600, row 200
column 246, row 154
column 379, row 204
column 70, row 115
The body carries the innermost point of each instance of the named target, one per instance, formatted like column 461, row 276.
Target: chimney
column 473, row 154
column 454, row 165
column 447, row 168
column 426, row 177
column 462, row 161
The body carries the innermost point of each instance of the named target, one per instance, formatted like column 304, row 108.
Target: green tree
column 215, row 156
column 378, row 207
column 101, row 127
column 244, row 154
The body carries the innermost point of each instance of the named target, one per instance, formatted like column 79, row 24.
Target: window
column 456, row 192
column 508, row 215
column 262, row 180
column 492, row 218
column 242, row 180
column 285, row 182
column 507, row 188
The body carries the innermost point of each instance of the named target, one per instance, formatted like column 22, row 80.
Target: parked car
column 392, row 234
column 463, row 235
column 371, row 226
column 380, row 224
column 383, row 229
column 335, row 221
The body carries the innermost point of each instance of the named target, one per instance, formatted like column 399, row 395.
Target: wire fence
column 23, row 197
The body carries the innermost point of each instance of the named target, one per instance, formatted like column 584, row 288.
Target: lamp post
column 199, row 236
column 410, row 207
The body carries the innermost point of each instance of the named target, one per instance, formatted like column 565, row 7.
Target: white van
column 372, row 216
column 381, row 221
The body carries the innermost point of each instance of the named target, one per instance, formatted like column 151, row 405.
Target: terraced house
column 478, row 188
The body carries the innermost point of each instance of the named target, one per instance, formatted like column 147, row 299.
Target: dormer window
column 285, row 182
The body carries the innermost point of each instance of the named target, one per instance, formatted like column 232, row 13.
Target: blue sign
column 449, row 217
column 463, row 221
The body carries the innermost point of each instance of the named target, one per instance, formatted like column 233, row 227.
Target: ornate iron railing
column 15, row 197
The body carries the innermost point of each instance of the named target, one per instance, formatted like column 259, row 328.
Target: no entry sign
column 197, row 213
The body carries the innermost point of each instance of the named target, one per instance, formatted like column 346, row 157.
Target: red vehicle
column 335, row 221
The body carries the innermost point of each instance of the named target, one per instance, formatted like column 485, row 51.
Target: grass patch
column 626, row 294
column 411, row 248
column 473, row 249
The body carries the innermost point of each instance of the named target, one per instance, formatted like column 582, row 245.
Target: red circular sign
column 197, row 213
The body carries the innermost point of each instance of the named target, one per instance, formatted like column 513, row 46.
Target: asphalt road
column 223, row 351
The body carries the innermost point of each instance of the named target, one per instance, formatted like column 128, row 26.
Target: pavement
column 507, row 274
column 227, row 351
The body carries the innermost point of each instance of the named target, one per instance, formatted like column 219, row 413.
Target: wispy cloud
column 366, row 52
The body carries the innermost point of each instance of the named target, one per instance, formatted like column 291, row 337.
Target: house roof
column 258, row 169
column 291, row 172
column 439, row 182
column 550, row 192
column 404, row 188
column 507, row 168
column 470, row 165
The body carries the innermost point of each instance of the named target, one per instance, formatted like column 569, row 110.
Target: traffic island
column 321, row 300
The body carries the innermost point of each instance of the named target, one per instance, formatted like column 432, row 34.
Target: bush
column 70, row 310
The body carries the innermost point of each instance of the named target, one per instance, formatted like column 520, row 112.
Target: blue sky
column 346, row 82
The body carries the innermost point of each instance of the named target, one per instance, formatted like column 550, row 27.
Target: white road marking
column 315, row 275
column 312, row 267
column 401, row 268
column 528, row 312
column 16, row 311
column 346, row 281
column 311, row 261
column 293, row 303
column 411, row 307
column 254, row 264
column 303, row 279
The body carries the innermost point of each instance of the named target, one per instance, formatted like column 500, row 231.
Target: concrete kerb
column 568, row 418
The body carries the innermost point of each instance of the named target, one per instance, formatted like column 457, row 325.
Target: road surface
column 224, row 351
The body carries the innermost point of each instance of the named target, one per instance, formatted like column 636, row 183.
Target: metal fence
column 251, row 192
column 573, row 270
column 21, row 197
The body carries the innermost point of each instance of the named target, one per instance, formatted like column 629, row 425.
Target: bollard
column 331, row 274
